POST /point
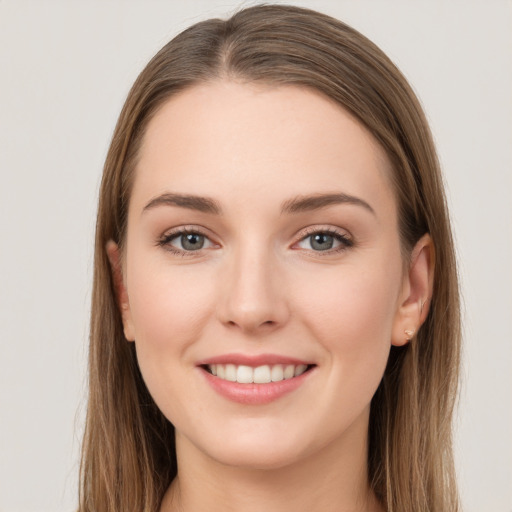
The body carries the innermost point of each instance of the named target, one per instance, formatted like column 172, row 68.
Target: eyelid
column 346, row 240
column 171, row 234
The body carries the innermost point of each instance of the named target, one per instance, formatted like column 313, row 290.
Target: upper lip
column 252, row 360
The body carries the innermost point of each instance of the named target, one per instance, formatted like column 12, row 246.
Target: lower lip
column 254, row 394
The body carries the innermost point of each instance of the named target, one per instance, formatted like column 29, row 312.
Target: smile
column 259, row 375
column 255, row 380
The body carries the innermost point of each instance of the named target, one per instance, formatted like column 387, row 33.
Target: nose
column 253, row 296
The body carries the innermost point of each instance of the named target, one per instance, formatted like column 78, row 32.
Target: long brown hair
column 128, row 457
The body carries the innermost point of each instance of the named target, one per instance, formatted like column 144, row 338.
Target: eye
column 185, row 241
column 325, row 240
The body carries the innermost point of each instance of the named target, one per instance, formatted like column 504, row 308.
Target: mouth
column 255, row 379
column 262, row 374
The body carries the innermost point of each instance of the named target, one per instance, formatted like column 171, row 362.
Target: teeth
column 299, row 370
column 262, row 374
column 231, row 372
column 277, row 373
column 259, row 375
column 289, row 371
column 244, row 374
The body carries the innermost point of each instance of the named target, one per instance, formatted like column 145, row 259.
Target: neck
column 332, row 479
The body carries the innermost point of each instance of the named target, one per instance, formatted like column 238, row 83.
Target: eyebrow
column 202, row 204
column 295, row 205
column 317, row 201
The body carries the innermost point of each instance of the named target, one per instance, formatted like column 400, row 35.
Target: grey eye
column 186, row 241
column 321, row 241
column 325, row 241
column 191, row 241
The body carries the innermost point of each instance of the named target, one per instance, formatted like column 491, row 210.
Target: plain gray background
column 66, row 67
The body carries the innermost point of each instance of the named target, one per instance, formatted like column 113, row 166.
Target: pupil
column 192, row 241
column 322, row 242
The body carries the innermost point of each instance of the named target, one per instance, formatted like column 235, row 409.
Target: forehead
column 230, row 137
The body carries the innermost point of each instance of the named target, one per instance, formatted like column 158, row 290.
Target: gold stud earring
column 409, row 334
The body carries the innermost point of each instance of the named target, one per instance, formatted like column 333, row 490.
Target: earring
column 409, row 333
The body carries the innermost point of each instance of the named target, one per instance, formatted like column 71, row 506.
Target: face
column 262, row 279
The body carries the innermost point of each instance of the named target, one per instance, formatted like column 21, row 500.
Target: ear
column 414, row 301
column 123, row 304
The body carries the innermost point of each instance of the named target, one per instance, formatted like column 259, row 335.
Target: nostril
column 251, row 325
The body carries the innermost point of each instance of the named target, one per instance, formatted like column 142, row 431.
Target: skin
column 259, row 286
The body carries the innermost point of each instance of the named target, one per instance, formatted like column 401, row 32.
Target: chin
column 256, row 458
column 260, row 446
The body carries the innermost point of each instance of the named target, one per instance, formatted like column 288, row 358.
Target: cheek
column 351, row 313
column 348, row 308
column 169, row 309
column 168, row 305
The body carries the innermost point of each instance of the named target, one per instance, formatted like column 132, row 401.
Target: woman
column 275, row 320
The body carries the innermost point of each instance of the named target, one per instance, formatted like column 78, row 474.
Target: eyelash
column 165, row 240
column 345, row 241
